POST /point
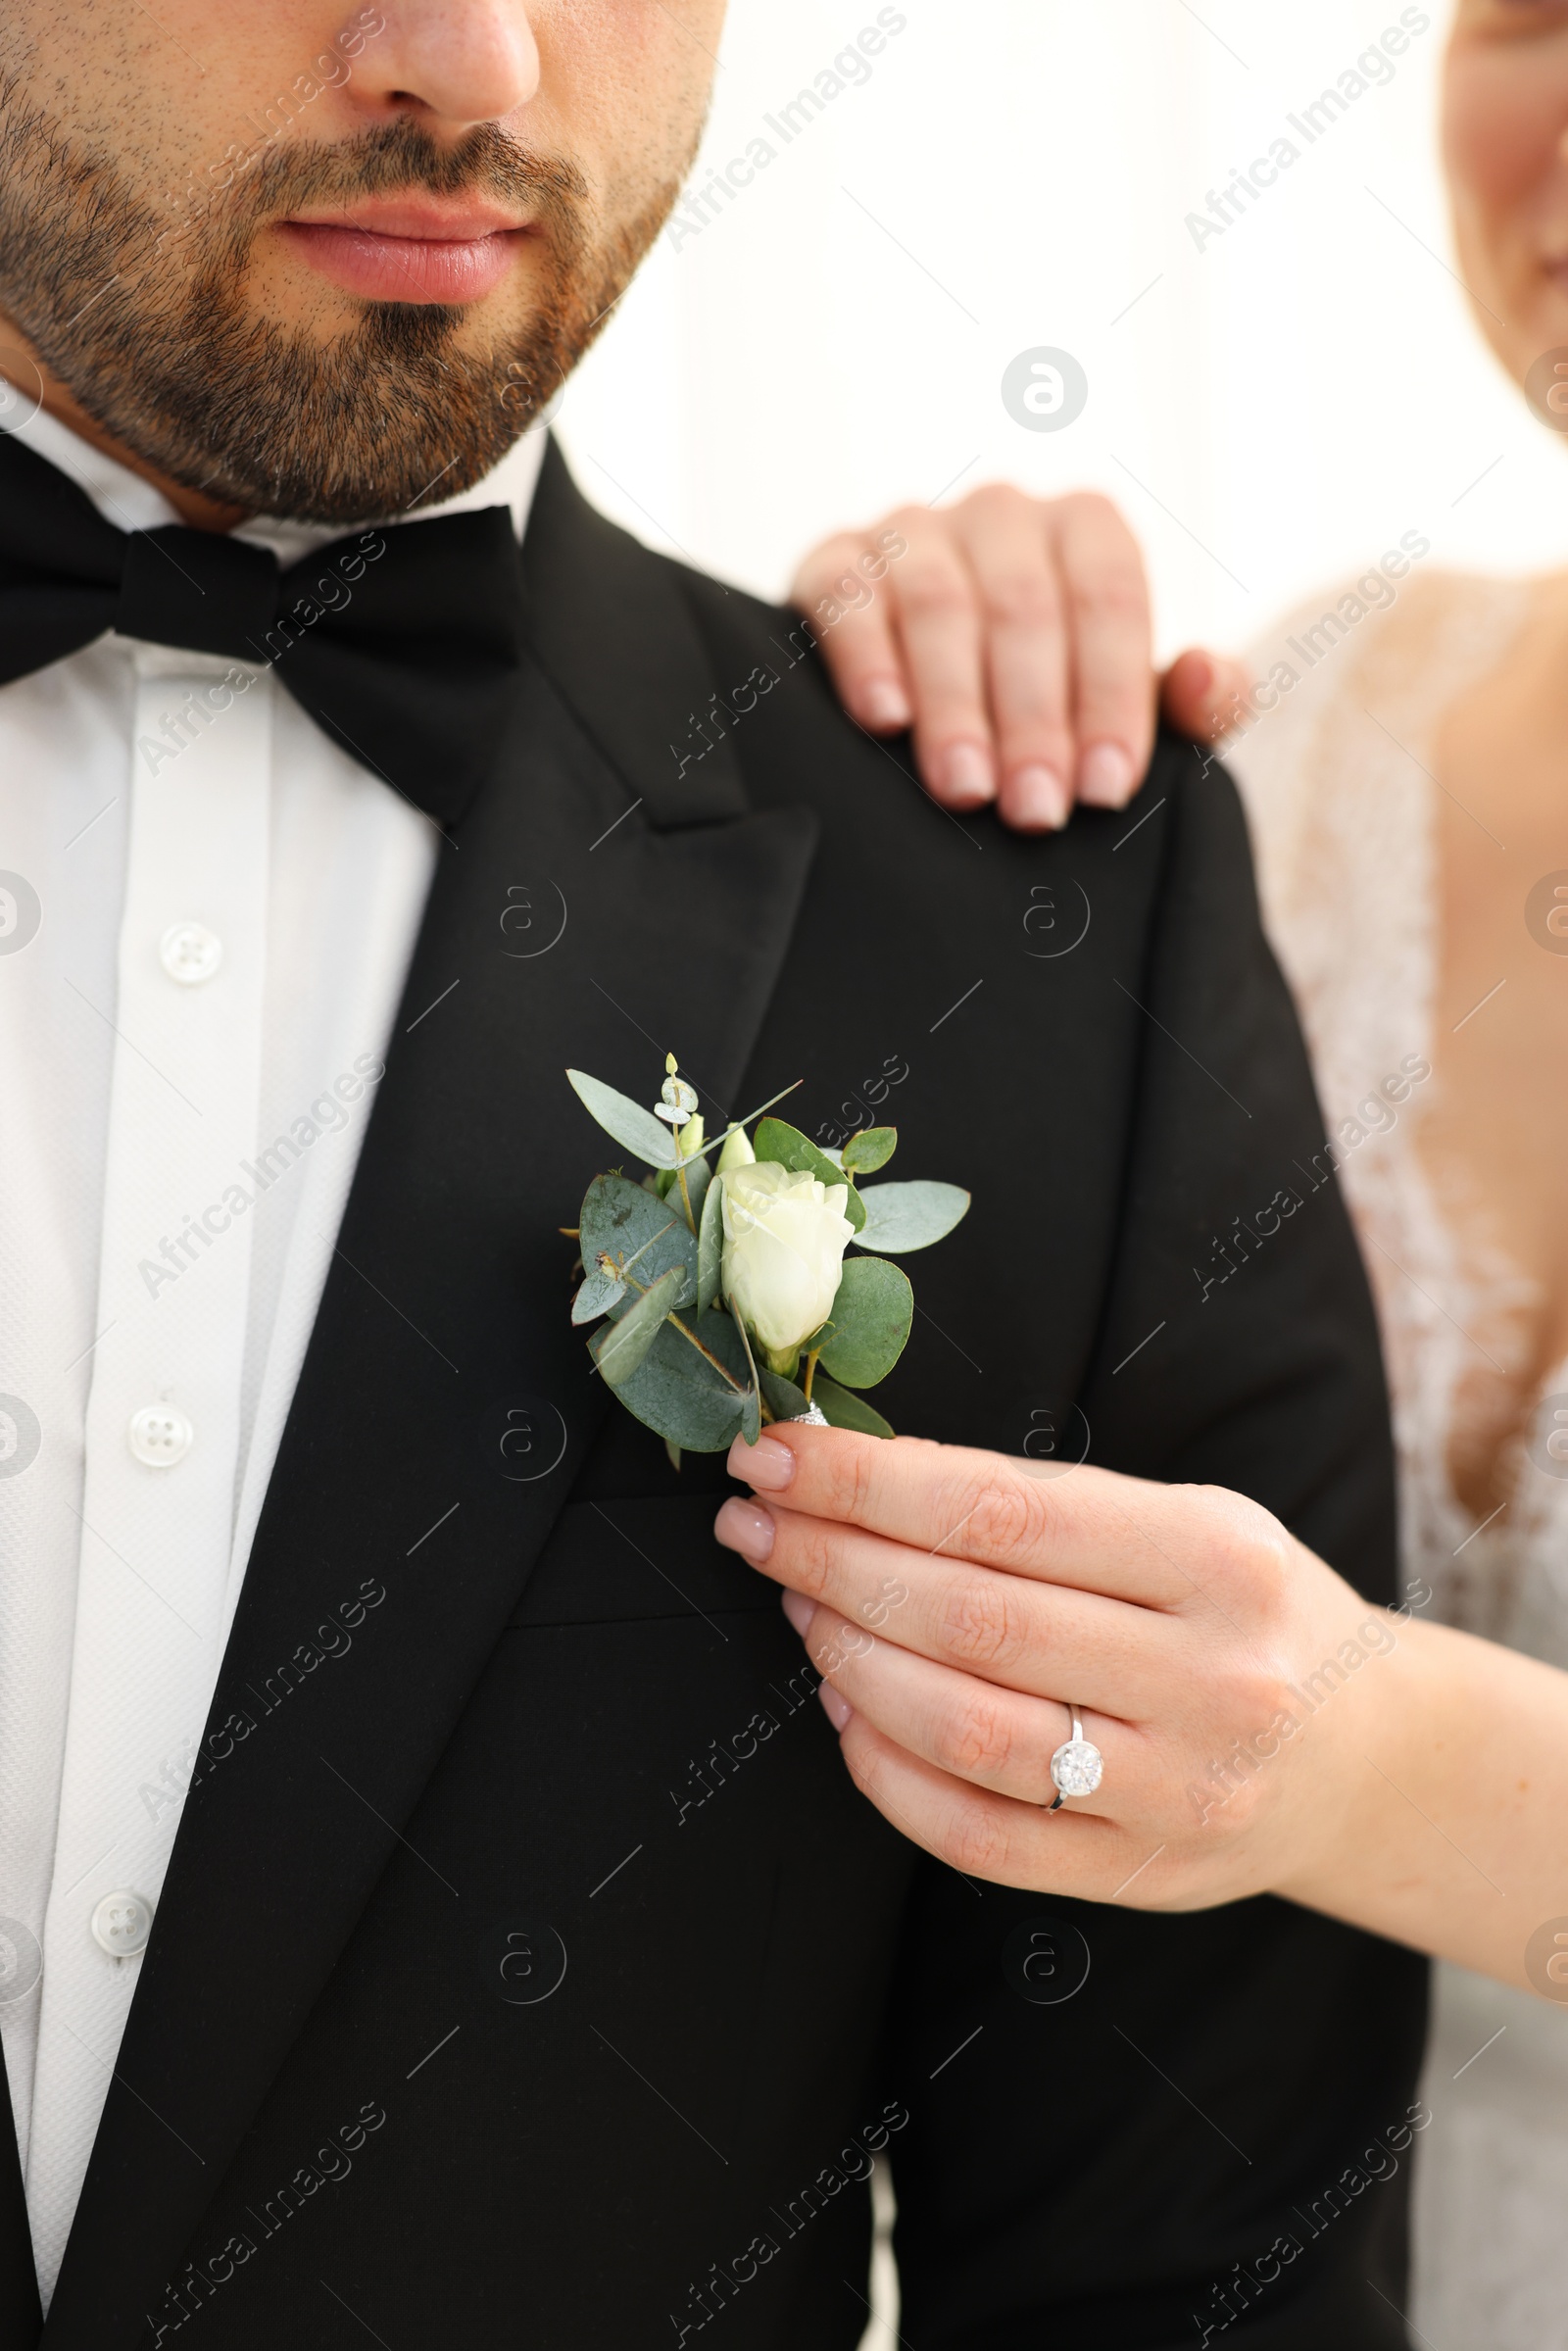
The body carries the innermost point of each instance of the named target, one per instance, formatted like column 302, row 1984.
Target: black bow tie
column 403, row 643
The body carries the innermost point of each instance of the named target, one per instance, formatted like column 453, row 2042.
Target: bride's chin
column 1524, row 322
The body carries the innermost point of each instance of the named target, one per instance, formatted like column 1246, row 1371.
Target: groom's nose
column 452, row 62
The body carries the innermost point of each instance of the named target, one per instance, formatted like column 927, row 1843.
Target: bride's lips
column 409, row 250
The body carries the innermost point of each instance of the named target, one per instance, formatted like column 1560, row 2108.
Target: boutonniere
column 722, row 1277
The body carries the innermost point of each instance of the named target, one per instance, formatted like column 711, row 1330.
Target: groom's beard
column 158, row 345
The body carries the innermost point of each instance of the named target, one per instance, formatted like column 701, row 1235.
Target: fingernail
column 1037, row 796
column 799, row 1609
column 836, row 1707
column 884, row 702
column 767, row 1464
column 1201, row 676
column 1105, row 776
column 967, row 772
column 747, row 1528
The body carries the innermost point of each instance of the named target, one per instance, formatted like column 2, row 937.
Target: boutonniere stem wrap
column 720, row 1282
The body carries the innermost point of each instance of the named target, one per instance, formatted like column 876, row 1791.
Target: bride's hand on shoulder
column 1012, row 634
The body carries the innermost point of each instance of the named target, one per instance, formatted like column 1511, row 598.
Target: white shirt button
column 122, row 1924
column 190, row 952
column 161, row 1435
column 21, row 1960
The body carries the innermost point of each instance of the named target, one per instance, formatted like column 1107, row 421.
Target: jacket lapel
column 592, row 588
column 553, row 936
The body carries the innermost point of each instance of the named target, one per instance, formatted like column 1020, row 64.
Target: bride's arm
column 1454, row 1810
column 1264, row 1729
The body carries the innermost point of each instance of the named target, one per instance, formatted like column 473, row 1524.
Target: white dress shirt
column 201, row 960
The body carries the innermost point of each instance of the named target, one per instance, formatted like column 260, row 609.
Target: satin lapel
column 554, row 936
column 592, row 592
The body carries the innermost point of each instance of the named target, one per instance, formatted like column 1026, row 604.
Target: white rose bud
column 784, row 1240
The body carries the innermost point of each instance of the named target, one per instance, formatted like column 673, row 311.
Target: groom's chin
column 402, row 411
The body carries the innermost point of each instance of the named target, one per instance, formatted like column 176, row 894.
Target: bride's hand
column 959, row 1605
column 1013, row 634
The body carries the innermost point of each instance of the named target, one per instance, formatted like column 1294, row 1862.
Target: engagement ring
column 1077, row 1767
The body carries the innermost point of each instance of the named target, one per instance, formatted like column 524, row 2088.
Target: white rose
column 784, row 1239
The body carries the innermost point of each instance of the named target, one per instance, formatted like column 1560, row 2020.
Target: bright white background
column 1274, row 410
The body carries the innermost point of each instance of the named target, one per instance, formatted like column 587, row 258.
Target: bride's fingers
column 1169, row 1547
column 909, row 642
column 1110, row 630
column 1204, row 695
column 994, row 1738
column 1024, row 602
column 1032, row 1637
column 841, row 588
column 1014, row 631
column 990, row 1836
column 936, row 612
column 956, row 1503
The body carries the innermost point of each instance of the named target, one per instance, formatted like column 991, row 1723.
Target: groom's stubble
column 155, row 334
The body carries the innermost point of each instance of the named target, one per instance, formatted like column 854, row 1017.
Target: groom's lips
column 410, row 249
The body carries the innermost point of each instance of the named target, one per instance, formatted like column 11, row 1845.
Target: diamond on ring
column 1077, row 1767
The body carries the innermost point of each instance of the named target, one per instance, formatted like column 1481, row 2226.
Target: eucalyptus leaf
column 600, row 1291
column 900, row 1217
column 845, row 1410
column 785, row 1400
column 752, row 1409
column 619, row 1350
column 711, row 1246
column 667, row 1185
column 699, row 1175
column 631, row 1125
column 869, row 1325
column 678, row 1393
column 872, row 1148
column 777, row 1140
column 645, row 1235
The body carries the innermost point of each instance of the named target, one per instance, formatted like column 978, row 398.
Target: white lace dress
column 1341, row 807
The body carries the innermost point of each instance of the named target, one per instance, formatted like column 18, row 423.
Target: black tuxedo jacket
column 528, row 1971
